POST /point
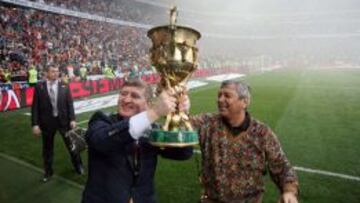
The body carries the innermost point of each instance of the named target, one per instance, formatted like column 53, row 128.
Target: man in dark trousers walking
column 52, row 110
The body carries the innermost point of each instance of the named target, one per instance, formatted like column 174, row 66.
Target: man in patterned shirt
column 238, row 150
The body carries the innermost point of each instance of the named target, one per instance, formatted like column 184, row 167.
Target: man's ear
column 247, row 102
column 149, row 103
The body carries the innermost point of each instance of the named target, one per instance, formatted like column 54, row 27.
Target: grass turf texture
column 315, row 113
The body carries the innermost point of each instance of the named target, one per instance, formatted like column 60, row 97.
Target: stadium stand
column 132, row 11
column 37, row 37
column 33, row 37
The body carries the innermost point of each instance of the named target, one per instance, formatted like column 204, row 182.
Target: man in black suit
column 52, row 110
column 122, row 162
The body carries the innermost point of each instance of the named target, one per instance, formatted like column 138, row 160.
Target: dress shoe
column 46, row 177
column 80, row 170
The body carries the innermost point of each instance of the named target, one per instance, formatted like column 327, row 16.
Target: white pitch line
column 298, row 168
column 327, row 173
column 39, row 170
column 316, row 171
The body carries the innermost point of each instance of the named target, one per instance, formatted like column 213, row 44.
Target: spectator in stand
column 83, row 73
column 64, row 78
column 32, row 75
column 2, row 75
column 108, row 72
column 7, row 76
column 70, row 72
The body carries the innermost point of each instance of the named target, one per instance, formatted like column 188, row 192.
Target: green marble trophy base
column 179, row 138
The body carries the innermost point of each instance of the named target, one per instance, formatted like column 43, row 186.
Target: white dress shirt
column 138, row 125
column 54, row 86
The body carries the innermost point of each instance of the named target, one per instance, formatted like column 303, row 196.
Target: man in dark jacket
column 121, row 160
column 52, row 110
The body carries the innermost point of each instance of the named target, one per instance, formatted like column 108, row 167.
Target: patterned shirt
column 233, row 165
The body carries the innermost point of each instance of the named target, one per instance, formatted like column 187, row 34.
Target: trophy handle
column 178, row 118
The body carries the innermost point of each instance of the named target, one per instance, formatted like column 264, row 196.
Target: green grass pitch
column 315, row 113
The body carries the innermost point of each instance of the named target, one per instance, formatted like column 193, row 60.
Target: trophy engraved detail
column 174, row 55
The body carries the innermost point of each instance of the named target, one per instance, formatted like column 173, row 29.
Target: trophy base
column 162, row 138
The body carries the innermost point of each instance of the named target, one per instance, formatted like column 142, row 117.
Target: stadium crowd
column 35, row 38
column 31, row 39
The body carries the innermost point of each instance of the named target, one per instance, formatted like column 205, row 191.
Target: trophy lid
column 180, row 34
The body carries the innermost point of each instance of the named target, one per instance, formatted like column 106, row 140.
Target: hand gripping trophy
column 174, row 56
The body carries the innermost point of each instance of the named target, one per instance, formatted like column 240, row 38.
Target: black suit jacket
column 41, row 109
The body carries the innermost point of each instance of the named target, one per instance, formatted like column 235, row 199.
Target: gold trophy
column 174, row 55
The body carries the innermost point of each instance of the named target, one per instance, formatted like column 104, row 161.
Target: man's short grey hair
column 242, row 88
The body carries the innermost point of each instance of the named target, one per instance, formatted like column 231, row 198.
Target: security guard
column 33, row 76
column 108, row 72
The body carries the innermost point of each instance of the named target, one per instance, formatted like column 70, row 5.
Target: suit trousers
column 48, row 135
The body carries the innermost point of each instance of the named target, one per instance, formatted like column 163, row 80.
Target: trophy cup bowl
column 174, row 55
